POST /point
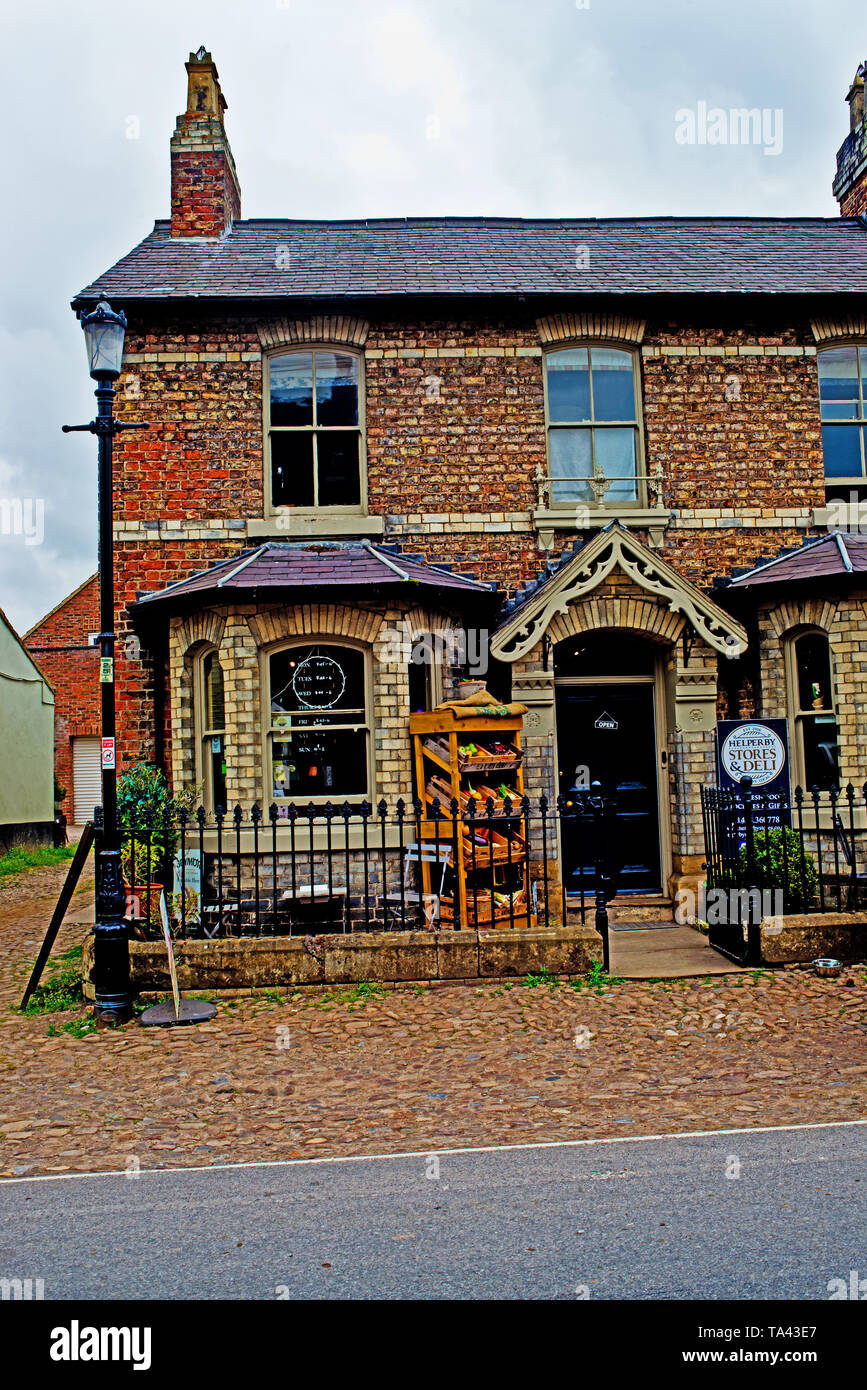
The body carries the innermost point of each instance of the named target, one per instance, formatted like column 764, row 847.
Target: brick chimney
column 850, row 185
column 206, row 199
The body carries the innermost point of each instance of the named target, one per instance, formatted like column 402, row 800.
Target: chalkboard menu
column 318, row 682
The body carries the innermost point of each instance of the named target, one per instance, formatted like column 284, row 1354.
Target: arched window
column 812, row 706
column 593, row 421
column 314, row 430
column 842, row 397
column 211, row 729
column 319, row 733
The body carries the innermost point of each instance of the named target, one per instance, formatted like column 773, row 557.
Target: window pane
column 570, row 465
column 616, row 454
column 339, row 473
column 291, row 469
column 838, row 383
column 336, row 388
column 568, row 385
column 215, row 761
column 292, row 389
column 814, row 672
column 819, row 739
column 320, row 763
column 613, row 384
column 215, row 717
column 318, row 677
column 842, row 448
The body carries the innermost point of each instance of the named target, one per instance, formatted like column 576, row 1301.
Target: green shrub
column 143, row 794
column 780, row 861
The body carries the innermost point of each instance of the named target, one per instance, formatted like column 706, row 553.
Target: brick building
column 565, row 434
column 61, row 643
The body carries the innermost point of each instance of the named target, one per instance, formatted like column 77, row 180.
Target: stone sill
column 246, row 964
column 652, row 519
column 594, row 518
column 847, row 517
column 298, row 525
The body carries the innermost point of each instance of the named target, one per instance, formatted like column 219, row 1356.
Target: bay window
column 319, row 733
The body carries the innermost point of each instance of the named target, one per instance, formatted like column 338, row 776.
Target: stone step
column 641, row 907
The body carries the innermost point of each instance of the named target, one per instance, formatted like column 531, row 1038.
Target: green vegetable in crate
column 468, row 750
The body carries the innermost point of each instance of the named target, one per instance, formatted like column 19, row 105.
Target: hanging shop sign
column 606, row 721
column 318, row 682
column 759, row 749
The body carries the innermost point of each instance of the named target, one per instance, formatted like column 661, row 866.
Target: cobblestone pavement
column 422, row 1069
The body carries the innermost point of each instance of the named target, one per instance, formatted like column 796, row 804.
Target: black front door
column 605, row 733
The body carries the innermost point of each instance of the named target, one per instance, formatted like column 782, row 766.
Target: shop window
column 812, row 687
column 319, row 735
column 211, row 719
column 842, row 390
column 314, row 430
column 594, row 434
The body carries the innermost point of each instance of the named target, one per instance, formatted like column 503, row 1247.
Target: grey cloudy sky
column 349, row 108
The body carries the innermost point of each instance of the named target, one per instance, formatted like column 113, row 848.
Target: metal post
column 113, row 1002
column 110, row 937
column 597, row 806
column 754, row 928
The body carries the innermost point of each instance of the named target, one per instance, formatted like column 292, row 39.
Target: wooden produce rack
column 491, row 852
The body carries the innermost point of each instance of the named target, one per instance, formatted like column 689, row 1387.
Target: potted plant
column 148, row 814
column 140, row 864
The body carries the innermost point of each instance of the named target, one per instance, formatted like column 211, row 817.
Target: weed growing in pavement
column 543, row 978
column 76, row 1027
column 18, row 861
column 358, row 994
column 595, row 980
column 62, row 989
column 271, row 996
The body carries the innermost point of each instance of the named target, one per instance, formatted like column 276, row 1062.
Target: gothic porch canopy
column 613, row 548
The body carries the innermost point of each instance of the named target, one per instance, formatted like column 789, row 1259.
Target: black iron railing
column 295, row 869
column 811, row 851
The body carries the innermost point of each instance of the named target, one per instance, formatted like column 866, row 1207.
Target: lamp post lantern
column 104, row 334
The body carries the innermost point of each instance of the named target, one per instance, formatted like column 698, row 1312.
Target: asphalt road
column 633, row 1220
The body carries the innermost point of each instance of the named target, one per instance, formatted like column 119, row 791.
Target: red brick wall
column 729, row 432
column 60, row 645
column 855, row 201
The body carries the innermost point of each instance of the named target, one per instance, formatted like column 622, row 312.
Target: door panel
column 610, row 731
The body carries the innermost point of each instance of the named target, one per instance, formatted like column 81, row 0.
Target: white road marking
column 425, row 1153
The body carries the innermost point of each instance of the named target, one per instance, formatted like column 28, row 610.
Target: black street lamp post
column 104, row 334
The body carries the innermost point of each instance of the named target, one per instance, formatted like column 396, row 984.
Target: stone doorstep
column 249, row 964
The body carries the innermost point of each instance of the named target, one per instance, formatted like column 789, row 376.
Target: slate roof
column 836, row 554
column 496, row 256
column 529, row 587
column 282, row 565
